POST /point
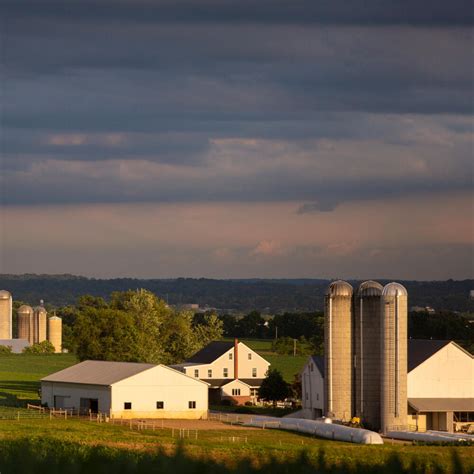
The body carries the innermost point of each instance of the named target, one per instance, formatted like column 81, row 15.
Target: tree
column 273, row 387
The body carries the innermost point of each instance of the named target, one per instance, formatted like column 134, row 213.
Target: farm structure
column 126, row 390
column 440, row 386
column 232, row 370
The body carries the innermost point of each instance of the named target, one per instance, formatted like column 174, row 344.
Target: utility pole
column 294, row 347
column 276, row 333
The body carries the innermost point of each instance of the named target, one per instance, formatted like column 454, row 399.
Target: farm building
column 232, row 370
column 440, row 386
column 16, row 345
column 126, row 390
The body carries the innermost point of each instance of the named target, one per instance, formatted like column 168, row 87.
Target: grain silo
column 55, row 332
column 5, row 314
column 40, row 324
column 338, row 350
column 393, row 398
column 25, row 321
column 367, row 323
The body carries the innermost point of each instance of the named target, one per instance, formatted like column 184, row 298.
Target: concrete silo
column 40, row 324
column 367, row 323
column 55, row 332
column 25, row 321
column 394, row 357
column 6, row 305
column 338, row 350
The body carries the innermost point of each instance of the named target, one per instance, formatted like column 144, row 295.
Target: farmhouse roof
column 98, row 372
column 217, row 383
column 211, row 352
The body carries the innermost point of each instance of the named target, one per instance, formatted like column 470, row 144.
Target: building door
column 89, row 405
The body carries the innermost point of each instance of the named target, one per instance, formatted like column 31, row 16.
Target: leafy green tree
column 44, row 347
column 274, row 388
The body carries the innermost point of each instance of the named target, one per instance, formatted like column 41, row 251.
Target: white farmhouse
column 440, row 386
column 232, row 370
column 126, row 390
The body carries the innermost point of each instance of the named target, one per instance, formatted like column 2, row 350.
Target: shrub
column 5, row 350
column 44, row 347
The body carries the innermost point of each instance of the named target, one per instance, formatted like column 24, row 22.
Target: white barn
column 126, row 390
column 440, row 386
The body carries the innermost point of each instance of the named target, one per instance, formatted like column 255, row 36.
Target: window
column 312, row 367
column 191, row 405
column 209, row 373
column 236, row 391
column 160, row 405
column 254, row 372
column 127, row 406
column 249, row 355
column 225, row 372
column 230, row 355
column 317, row 396
column 196, row 373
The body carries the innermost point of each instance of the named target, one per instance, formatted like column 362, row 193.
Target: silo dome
column 392, row 289
column 370, row 288
column 5, row 295
column 25, row 309
column 40, row 309
column 339, row 288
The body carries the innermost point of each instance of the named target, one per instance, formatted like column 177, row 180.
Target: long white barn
column 126, row 390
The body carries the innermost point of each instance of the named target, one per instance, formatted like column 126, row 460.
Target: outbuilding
column 126, row 390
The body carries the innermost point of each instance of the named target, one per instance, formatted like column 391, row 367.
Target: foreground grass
column 20, row 375
column 230, row 449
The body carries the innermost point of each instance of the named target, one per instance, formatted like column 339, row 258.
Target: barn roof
column 98, row 372
column 211, row 352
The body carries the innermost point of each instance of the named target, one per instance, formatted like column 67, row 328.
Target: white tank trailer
column 338, row 344
column 367, row 360
column 317, row 428
column 393, row 396
column 6, row 306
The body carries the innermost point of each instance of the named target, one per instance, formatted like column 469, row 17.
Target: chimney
column 236, row 358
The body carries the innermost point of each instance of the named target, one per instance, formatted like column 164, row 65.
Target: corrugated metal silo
column 25, row 318
column 40, row 324
column 338, row 350
column 394, row 357
column 367, row 323
column 6, row 304
column 55, row 332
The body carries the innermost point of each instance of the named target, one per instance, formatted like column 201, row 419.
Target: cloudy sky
column 215, row 138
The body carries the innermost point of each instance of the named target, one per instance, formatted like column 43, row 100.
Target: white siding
column 447, row 374
column 226, row 390
column 312, row 387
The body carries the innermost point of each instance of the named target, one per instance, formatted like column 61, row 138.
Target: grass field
column 20, row 375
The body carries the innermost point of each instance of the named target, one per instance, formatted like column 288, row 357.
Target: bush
column 248, row 404
column 5, row 350
column 44, row 347
column 227, row 402
column 244, row 410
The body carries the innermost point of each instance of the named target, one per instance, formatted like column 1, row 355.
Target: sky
column 237, row 139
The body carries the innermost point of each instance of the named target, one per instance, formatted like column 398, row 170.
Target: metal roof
column 370, row 288
column 17, row 345
column 441, row 404
column 210, row 353
column 420, row 350
column 5, row 295
column 319, row 363
column 339, row 288
column 98, row 372
column 394, row 289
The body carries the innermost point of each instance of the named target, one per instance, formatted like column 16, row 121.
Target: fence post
column 18, row 416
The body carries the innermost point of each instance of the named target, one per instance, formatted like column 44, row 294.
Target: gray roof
column 441, row 404
column 420, row 350
column 98, row 372
column 217, row 383
column 211, row 352
column 319, row 363
column 17, row 345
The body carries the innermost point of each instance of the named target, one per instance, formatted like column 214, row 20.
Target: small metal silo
column 6, row 306
column 40, row 324
column 338, row 350
column 25, row 318
column 55, row 332
column 394, row 304
column 367, row 323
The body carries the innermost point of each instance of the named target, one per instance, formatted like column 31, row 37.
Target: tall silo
column 40, row 323
column 6, row 304
column 25, row 319
column 367, row 323
column 338, row 350
column 55, row 332
column 393, row 398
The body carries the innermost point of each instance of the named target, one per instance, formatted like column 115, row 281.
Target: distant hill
column 272, row 296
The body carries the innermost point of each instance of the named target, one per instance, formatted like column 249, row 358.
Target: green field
column 20, row 375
